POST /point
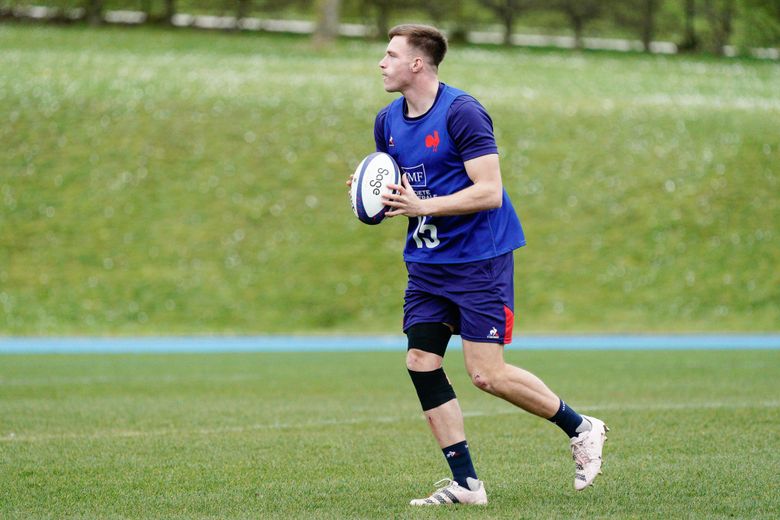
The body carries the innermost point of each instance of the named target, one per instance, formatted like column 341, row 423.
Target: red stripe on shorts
column 510, row 324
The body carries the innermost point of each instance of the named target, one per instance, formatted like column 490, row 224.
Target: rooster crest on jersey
column 432, row 141
column 369, row 183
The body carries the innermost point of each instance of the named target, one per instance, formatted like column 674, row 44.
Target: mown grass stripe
column 107, row 434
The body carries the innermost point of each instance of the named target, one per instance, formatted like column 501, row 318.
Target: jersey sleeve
column 471, row 128
column 379, row 131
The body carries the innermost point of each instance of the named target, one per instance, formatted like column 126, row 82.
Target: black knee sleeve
column 432, row 387
column 429, row 337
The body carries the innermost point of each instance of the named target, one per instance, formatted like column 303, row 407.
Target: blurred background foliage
column 177, row 181
column 693, row 25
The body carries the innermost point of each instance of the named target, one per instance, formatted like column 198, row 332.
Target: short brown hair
column 424, row 37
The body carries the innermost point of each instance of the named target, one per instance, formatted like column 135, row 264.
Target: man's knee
column 427, row 345
column 420, row 361
column 488, row 380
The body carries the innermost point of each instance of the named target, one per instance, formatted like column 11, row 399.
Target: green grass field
column 340, row 435
column 182, row 182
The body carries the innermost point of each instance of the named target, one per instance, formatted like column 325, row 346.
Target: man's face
column 397, row 64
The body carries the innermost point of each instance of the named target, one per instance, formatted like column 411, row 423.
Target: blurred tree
column 507, row 12
column 720, row 15
column 578, row 12
column 94, row 10
column 170, row 11
column 442, row 11
column 771, row 7
column 327, row 28
column 449, row 13
column 243, row 7
column 763, row 18
column 146, row 7
column 639, row 15
column 383, row 10
column 690, row 40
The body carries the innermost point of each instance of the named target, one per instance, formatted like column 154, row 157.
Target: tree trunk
column 648, row 23
column 720, row 17
column 509, row 25
column 383, row 20
column 170, row 11
column 578, row 26
column 242, row 11
column 690, row 40
column 725, row 26
column 95, row 12
column 327, row 29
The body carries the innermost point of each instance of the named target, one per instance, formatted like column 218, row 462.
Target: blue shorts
column 476, row 298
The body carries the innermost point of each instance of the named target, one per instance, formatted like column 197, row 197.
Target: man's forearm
column 477, row 197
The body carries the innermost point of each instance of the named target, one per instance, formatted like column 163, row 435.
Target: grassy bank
column 156, row 182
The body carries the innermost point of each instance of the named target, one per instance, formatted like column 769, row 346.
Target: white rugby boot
column 452, row 493
column 586, row 451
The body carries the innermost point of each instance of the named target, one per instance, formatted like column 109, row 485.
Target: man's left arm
column 485, row 193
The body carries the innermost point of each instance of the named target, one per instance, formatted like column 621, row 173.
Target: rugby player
column 461, row 238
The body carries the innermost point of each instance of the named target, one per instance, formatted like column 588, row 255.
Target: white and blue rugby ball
column 369, row 183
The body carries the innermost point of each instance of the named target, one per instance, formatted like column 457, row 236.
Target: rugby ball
column 369, row 183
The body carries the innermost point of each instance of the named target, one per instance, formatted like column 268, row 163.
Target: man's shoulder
column 466, row 104
column 460, row 96
column 470, row 126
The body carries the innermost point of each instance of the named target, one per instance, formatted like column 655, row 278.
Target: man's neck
column 420, row 98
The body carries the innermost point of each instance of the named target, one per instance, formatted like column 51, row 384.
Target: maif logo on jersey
column 416, row 175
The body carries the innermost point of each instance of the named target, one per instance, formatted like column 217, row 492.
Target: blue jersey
column 431, row 150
